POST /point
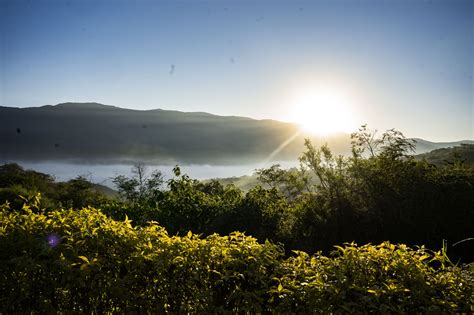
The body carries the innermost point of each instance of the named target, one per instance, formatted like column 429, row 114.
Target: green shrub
column 374, row 279
column 82, row 261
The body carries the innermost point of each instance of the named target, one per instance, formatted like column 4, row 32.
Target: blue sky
column 404, row 64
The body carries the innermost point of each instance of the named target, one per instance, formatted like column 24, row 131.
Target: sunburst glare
column 323, row 111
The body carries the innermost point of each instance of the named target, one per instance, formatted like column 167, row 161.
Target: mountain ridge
column 94, row 132
column 95, row 105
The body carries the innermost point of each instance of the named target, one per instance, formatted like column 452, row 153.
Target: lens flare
column 53, row 240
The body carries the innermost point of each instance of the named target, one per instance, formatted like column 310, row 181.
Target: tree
column 292, row 182
column 363, row 140
column 141, row 188
column 392, row 145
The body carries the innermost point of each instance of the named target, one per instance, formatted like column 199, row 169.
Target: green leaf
column 83, row 258
column 424, row 257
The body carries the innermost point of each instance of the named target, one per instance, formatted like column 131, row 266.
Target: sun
column 323, row 111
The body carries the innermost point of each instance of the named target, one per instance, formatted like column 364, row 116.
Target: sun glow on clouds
column 323, row 111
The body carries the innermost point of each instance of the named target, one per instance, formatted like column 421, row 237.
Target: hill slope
column 463, row 153
column 96, row 133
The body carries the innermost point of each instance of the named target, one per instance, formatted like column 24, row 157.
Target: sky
column 396, row 64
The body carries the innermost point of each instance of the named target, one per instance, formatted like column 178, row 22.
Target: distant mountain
column 423, row 146
column 96, row 133
column 463, row 153
column 91, row 132
column 105, row 190
column 245, row 182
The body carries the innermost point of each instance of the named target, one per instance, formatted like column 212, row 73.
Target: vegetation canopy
column 83, row 261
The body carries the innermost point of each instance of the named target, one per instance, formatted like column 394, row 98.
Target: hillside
column 463, row 153
column 96, row 133
column 245, row 182
column 99, row 133
column 424, row 146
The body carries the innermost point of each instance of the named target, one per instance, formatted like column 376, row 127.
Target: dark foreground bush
column 82, row 261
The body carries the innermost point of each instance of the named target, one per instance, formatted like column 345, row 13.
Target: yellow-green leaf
column 424, row 257
column 84, row 258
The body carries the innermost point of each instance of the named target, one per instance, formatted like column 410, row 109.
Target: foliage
column 82, row 261
column 141, row 188
column 190, row 205
column 292, row 182
column 16, row 182
column 393, row 144
column 385, row 278
column 379, row 193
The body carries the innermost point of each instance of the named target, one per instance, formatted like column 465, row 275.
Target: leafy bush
column 374, row 279
column 83, row 261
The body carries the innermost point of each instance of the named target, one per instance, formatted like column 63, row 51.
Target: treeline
column 380, row 193
column 17, row 185
column 81, row 261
